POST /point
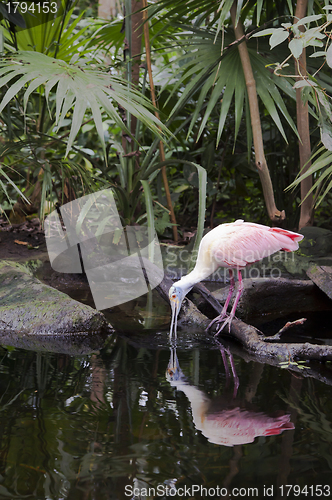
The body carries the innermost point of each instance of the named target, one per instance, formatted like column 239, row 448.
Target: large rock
column 317, row 242
column 27, row 306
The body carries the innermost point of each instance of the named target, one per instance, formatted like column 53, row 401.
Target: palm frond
column 171, row 9
column 321, row 169
column 219, row 79
column 78, row 87
column 109, row 36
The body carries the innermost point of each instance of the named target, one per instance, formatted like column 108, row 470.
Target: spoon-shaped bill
column 175, row 306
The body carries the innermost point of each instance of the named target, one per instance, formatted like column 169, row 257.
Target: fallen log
column 254, row 342
column 313, row 370
column 252, row 339
column 322, row 277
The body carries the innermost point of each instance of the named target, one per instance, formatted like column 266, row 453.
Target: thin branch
column 263, row 171
column 154, row 102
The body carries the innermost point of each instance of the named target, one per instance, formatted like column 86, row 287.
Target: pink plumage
column 287, row 234
column 234, row 246
column 236, row 426
column 241, row 243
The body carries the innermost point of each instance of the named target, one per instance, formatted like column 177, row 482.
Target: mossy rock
column 317, row 242
column 28, row 306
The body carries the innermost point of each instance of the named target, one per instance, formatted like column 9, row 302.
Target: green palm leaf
column 321, row 169
column 219, row 77
column 79, row 88
column 49, row 33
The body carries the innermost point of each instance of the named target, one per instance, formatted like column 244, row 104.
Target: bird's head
column 174, row 373
column 176, row 296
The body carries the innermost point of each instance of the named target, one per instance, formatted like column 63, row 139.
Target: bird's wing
column 287, row 239
column 248, row 243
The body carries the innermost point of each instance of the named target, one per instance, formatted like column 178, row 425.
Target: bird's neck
column 199, row 273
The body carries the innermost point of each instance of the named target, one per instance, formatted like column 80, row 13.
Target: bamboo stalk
column 154, row 102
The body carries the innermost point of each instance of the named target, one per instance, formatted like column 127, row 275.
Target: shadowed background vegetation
column 140, row 100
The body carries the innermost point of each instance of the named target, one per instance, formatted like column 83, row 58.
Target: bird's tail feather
column 287, row 238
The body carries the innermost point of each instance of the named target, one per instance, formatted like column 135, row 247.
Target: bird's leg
column 236, row 300
column 236, row 378
column 223, row 350
column 224, row 360
column 223, row 313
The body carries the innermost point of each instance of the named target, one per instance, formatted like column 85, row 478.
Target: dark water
column 99, row 425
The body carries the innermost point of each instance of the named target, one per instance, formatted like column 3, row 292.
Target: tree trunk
column 154, row 102
column 136, row 48
column 107, row 9
column 302, row 115
column 132, row 56
column 263, row 171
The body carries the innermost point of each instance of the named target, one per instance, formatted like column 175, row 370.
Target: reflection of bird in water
column 233, row 246
column 221, row 420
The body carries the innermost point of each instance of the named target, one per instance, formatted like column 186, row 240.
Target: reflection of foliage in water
column 86, row 426
column 314, row 409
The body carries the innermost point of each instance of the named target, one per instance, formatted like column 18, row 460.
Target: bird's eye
column 174, row 296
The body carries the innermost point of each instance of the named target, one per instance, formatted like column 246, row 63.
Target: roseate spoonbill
column 223, row 420
column 234, row 246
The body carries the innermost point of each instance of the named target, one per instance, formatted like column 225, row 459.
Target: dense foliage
column 73, row 118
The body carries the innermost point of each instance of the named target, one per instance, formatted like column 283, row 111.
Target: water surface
column 125, row 419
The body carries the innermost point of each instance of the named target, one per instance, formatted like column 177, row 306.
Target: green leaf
column 239, row 100
column 77, row 88
column 61, row 92
column 212, row 101
column 34, row 84
column 221, row 78
column 329, row 56
column 79, row 110
column 259, row 11
column 96, row 113
column 279, row 36
column 224, row 8
column 270, row 106
column 13, row 17
column 150, row 216
column 268, row 31
column 304, row 83
column 296, row 47
column 46, row 188
column 9, row 181
column 202, row 180
column 319, row 164
column 14, row 89
column 309, row 19
column 268, row 84
column 326, row 137
column 214, row 98
column 319, row 53
column 290, row 6
column 226, row 102
column 313, row 33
